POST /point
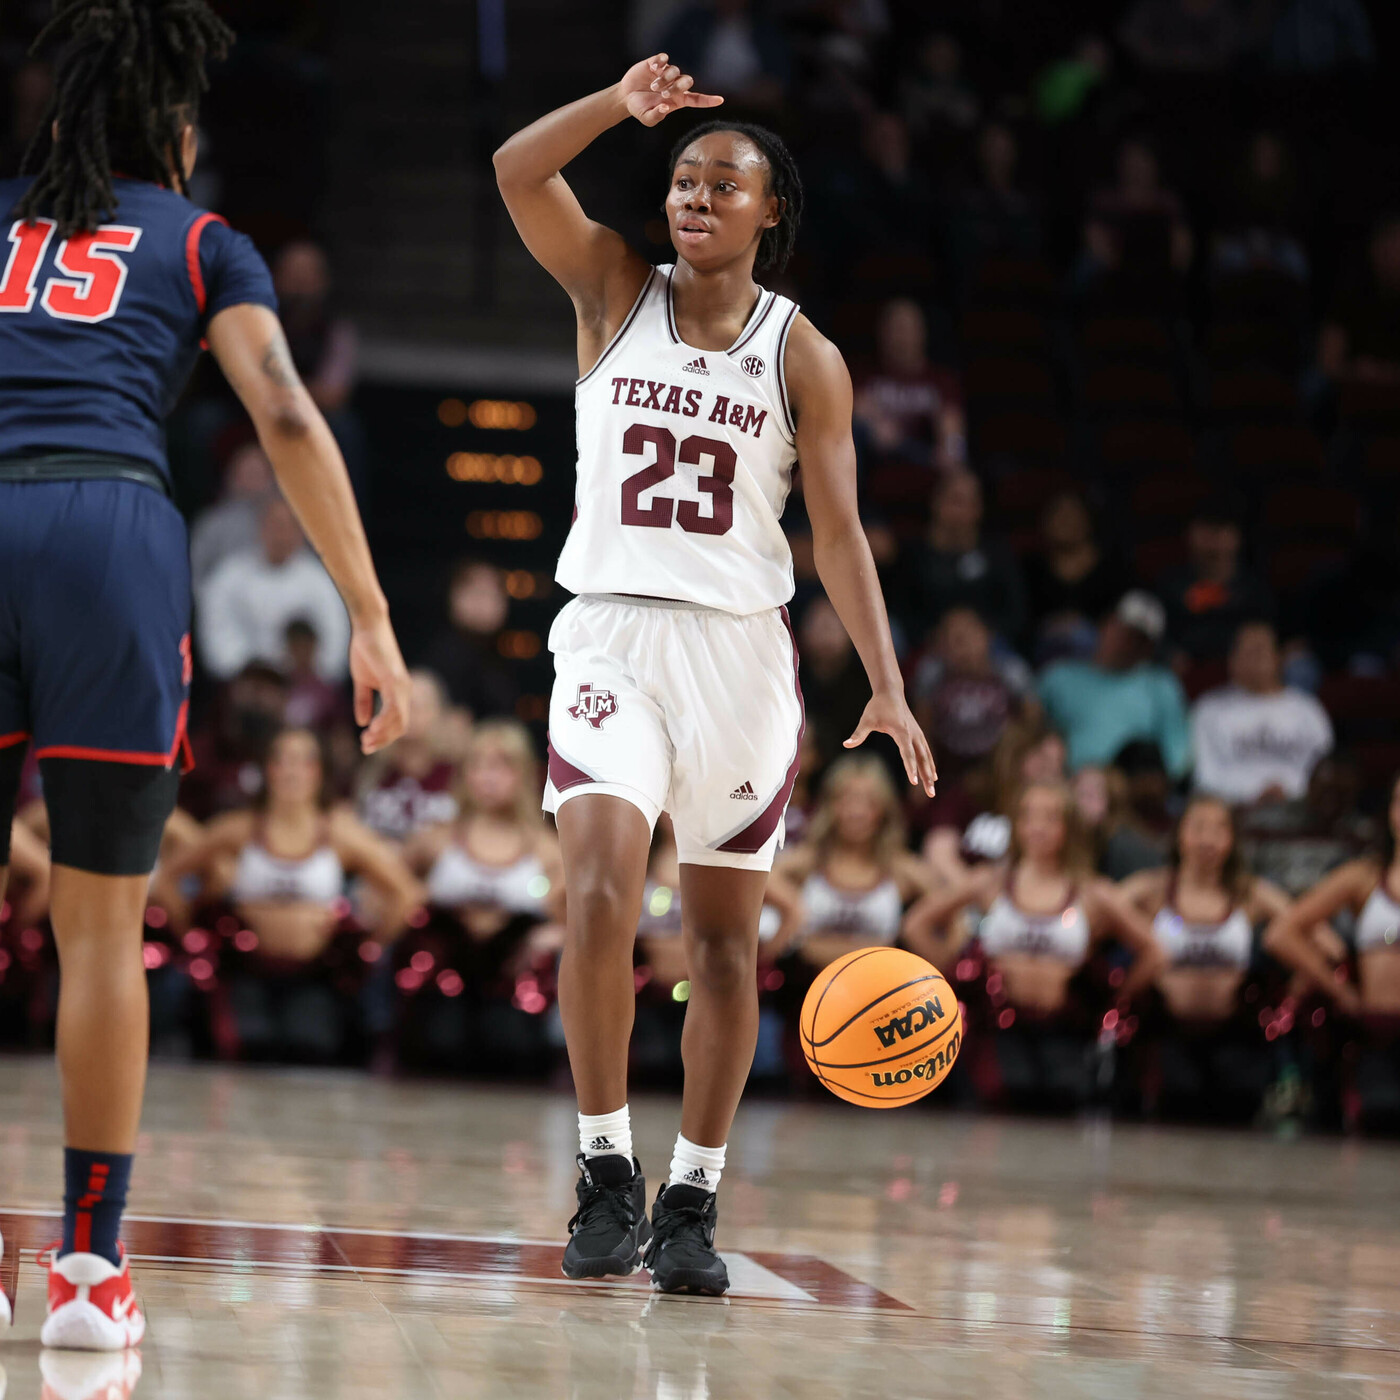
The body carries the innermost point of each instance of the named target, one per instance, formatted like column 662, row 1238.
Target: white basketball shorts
column 679, row 709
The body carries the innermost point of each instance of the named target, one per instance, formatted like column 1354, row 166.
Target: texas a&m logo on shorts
column 594, row 705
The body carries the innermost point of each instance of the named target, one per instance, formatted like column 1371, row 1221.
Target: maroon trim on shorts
column 563, row 774
column 752, row 838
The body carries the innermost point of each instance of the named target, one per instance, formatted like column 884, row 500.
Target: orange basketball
column 881, row 1027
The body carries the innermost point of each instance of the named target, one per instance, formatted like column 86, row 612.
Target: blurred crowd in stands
column 1127, row 367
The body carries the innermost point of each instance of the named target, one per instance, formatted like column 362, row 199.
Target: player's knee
column 598, row 910
column 724, row 964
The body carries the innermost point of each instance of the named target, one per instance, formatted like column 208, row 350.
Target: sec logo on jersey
column 753, row 366
column 594, row 705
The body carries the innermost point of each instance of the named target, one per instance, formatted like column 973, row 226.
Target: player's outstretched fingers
column 862, row 732
column 910, row 758
column 928, row 769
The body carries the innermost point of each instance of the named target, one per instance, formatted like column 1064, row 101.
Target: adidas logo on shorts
column 696, row 366
column 745, row 793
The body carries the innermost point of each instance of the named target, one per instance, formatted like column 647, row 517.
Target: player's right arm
column 249, row 344
column 592, row 263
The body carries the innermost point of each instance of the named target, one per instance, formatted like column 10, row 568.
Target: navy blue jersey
column 99, row 332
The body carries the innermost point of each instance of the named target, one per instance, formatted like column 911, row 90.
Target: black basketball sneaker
column 682, row 1256
column 610, row 1230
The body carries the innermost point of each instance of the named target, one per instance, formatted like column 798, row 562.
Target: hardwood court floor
column 325, row 1235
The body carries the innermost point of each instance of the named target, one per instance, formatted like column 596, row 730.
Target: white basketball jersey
column 685, row 459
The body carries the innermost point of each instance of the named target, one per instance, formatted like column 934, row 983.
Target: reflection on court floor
column 315, row 1236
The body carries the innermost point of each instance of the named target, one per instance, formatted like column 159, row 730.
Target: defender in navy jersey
column 111, row 284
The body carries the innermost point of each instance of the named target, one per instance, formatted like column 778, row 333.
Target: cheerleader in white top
column 283, row 866
column 1211, row 1054
column 675, row 671
column 854, row 871
column 1205, row 905
column 1040, row 917
column 498, row 862
column 1368, row 890
column 284, row 863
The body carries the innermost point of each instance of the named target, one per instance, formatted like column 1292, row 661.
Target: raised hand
column 655, row 87
column 890, row 714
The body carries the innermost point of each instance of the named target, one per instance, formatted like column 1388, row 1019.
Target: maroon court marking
column 334, row 1250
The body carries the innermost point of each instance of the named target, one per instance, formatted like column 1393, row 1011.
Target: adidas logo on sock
column 602, row 1145
column 696, row 1177
column 745, row 793
column 696, row 366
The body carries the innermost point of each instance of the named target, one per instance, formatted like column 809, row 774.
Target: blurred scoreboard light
column 519, row 645
column 495, row 468
column 521, row 583
column 504, row 525
column 495, row 415
column 503, row 415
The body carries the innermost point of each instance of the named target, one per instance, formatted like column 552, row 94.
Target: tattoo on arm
column 277, row 365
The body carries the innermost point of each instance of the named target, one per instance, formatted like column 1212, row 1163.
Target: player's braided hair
column 776, row 244
column 128, row 78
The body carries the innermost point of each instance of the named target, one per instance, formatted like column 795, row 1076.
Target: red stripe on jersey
column 201, row 295
column 8, row 741
column 755, row 835
column 148, row 760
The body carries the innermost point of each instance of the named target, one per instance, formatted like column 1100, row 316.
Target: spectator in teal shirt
column 1121, row 694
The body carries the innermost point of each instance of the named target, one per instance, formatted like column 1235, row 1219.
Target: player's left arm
column 820, row 385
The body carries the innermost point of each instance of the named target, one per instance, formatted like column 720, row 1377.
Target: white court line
column 748, row 1278
column 298, row 1227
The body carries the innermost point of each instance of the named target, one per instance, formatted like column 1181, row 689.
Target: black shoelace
column 694, row 1225
column 604, row 1205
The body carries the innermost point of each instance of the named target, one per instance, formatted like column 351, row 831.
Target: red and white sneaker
column 77, row 1375
column 92, row 1306
column 7, row 1311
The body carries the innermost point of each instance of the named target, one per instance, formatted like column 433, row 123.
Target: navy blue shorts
column 94, row 664
column 94, row 621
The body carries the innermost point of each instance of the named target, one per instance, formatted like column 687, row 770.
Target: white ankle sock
column 696, row 1166
column 605, row 1134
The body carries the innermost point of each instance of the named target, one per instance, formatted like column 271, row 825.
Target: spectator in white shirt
column 232, row 522
column 1256, row 739
column 247, row 602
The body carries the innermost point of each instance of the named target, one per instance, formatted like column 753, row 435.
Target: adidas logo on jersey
column 696, row 366
column 745, row 793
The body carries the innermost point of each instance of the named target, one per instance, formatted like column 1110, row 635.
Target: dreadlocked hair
column 776, row 245
column 128, row 79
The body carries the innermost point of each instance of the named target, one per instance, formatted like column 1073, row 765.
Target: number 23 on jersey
column 95, row 273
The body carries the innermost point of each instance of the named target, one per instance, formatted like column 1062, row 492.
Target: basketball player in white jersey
column 675, row 683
